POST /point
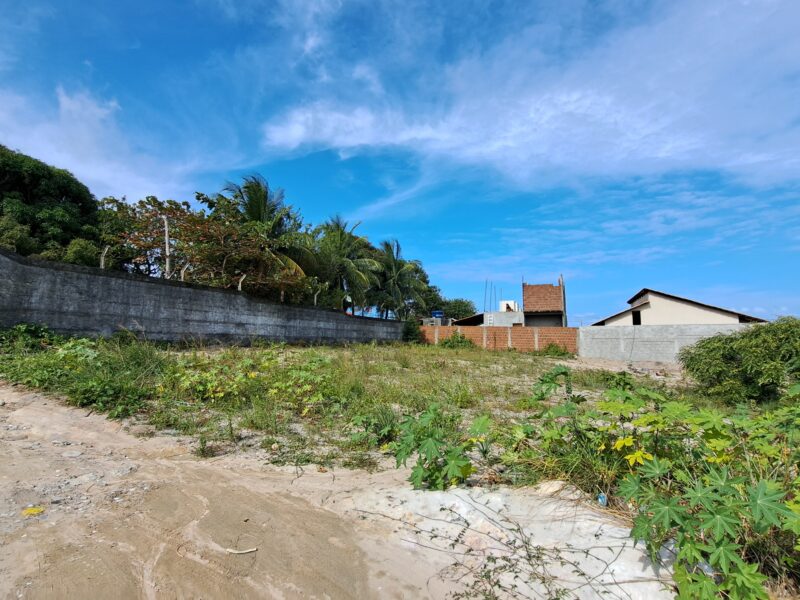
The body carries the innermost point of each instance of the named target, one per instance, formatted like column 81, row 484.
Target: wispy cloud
column 701, row 85
column 21, row 21
column 81, row 134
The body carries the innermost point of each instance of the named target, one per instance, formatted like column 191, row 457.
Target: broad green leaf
column 701, row 494
column 709, row 419
column 480, row 426
column 641, row 528
column 723, row 555
column 667, row 512
column 720, row 479
column 651, row 395
column 766, row 504
column 417, row 477
column 630, row 486
column 689, row 552
column 696, row 586
column 655, row 468
column 456, row 465
column 719, row 523
column 429, row 448
column 746, row 583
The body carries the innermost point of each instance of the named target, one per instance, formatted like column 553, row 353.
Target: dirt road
column 88, row 510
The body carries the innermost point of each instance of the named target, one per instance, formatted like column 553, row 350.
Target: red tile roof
column 542, row 298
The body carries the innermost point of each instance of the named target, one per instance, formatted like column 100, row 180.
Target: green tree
column 82, row 252
column 42, row 208
column 400, row 283
column 458, row 308
column 282, row 247
column 258, row 203
column 344, row 262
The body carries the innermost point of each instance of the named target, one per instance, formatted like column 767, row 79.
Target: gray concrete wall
column 85, row 301
column 503, row 319
column 640, row 343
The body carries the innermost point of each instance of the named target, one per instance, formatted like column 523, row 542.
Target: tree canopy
column 245, row 237
column 45, row 211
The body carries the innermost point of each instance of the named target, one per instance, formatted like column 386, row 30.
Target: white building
column 651, row 307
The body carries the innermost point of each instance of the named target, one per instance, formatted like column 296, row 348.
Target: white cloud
column 81, row 134
column 704, row 85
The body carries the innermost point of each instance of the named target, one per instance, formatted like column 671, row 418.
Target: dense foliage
column 45, row 211
column 721, row 491
column 718, row 492
column 456, row 341
column 246, row 237
column 440, row 447
column 755, row 364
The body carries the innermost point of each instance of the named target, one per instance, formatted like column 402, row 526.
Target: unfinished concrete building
column 543, row 305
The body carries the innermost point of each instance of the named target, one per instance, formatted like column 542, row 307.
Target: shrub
column 378, row 426
column 441, row 447
column 82, row 252
column 457, row 341
column 555, row 351
column 113, row 376
column 721, row 490
column 25, row 336
column 549, row 383
column 411, row 331
column 756, row 364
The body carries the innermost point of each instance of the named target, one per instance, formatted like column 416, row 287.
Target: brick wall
column 542, row 297
column 524, row 339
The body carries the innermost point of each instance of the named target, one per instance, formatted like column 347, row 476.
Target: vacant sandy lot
column 127, row 517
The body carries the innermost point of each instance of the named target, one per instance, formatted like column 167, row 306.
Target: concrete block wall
column 524, row 339
column 645, row 343
column 86, row 301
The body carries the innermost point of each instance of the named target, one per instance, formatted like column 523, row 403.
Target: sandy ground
column 131, row 517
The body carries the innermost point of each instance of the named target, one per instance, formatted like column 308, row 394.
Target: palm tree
column 277, row 230
column 400, row 280
column 259, row 203
column 344, row 261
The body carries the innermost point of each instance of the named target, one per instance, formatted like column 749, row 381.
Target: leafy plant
column 440, row 446
column 379, row 426
column 411, row 331
column 554, row 350
column 549, row 383
column 756, row 364
column 457, row 341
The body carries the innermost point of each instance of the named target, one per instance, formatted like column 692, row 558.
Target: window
column 637, row 317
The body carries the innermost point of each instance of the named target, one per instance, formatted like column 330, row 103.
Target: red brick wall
column 542, row 297
column 524, row 339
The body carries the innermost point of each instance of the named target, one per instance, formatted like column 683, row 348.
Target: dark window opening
column 637, row 317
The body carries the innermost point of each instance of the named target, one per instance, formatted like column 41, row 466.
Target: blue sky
column 625, row 144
